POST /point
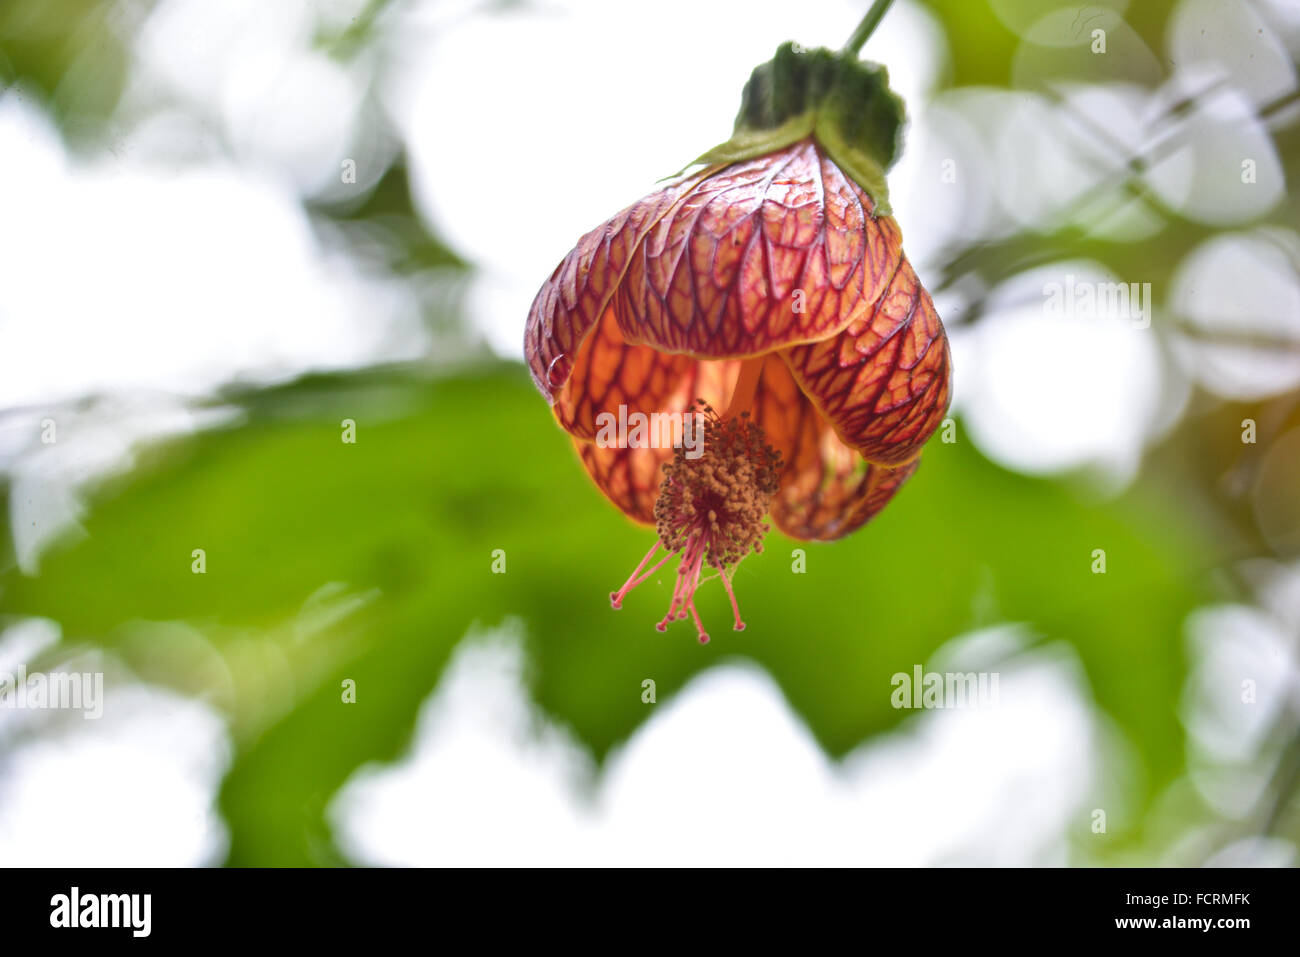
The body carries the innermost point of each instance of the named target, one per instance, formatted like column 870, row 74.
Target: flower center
column 710, row 510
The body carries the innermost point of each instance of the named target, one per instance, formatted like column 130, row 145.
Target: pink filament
column 699, row 625
column 616, row 597
column 688, row 581
column 735, row 606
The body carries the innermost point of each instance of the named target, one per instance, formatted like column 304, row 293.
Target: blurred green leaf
column 72, row 52
column 389, row 206
column 982, row 47
column 327, row 561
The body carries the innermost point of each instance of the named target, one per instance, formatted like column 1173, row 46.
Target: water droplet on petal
column 557, row 373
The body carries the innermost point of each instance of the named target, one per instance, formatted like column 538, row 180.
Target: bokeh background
column 226, row 228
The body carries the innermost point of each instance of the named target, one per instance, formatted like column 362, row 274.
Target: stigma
column 710, row 512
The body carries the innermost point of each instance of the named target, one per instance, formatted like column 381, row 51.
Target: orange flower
column 771, row 286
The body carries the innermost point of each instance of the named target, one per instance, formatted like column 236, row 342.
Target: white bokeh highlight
column 725, row 774
column 135, row 787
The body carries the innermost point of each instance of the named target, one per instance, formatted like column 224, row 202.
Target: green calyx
column 844, row 103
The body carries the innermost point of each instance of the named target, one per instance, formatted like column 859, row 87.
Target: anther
column 710, row 512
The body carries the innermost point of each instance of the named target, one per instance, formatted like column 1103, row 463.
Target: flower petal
column 628, row 477
column 842, row 504
column 827, row 490
column 610, row 373
column 883, row 383
column 576, row 295
column 727, row 263
column 759, row 255
column 779, row 256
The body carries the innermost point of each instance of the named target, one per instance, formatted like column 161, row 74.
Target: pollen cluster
column 710, row 512
column 724, row 494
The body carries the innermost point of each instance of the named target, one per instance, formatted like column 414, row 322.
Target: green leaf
column 328, row 561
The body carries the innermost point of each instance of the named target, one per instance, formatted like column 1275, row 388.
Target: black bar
column 300, row 906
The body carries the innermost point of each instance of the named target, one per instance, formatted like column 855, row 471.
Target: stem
column 867, row 26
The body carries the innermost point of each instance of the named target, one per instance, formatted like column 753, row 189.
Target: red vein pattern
column 781, row 257
column 883, row 381
column 716, row 277
column 582, row 285
column 826, row 490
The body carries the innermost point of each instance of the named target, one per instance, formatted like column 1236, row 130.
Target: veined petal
column 577, row 293
column 780, row 257
column 730, row 263
column 628, row 477
column 763, row 254
column 827, row 490
column 883, row 382
column 610, row 373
